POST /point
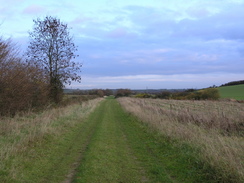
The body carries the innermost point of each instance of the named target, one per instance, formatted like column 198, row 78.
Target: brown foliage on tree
column 52, row 48
column 22, row 86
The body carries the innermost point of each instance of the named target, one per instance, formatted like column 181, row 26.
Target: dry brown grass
column 216, row 128
column 17, row 134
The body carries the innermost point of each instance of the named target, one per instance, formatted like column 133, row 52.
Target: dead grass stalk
column 19, row 133
column 216, row 128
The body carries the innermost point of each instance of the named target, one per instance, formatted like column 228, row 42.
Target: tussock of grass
column 216, row 128
column 25, row 140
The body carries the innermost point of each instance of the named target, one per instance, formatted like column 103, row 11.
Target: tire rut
column 75, row 165
column 71, row 175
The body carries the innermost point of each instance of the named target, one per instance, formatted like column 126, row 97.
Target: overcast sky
column 141, row 44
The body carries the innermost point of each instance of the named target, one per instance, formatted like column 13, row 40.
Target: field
column 233, row 92
column 215, row 128
column 125, row 140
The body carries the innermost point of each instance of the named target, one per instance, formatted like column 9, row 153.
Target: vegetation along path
column 122, row 149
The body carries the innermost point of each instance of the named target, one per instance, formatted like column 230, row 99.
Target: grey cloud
column 152, row 22
column 224, row 25
column 126, row 43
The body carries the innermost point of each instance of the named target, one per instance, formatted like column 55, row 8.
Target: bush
column 21, row 86
column 164, row 95
column 123, row 93
column 191, row 94
column 143, row 95
column 206, row 94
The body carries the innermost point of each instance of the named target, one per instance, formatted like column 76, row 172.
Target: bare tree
column 52, row 48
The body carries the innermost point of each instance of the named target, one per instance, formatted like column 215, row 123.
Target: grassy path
column 107, row 146
column 108, row 157
column 121, row 149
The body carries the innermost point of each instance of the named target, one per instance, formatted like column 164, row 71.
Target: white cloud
column 175, row 81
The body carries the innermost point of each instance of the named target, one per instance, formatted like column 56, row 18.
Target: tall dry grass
column 216, row 128
column 17, row 134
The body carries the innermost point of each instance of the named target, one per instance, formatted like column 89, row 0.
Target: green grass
column 233, row 92
column 123, row 149
column 108, row 157
column 110, row 145
column 52, row 157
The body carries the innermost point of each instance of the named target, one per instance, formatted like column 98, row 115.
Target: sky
column 140, row 44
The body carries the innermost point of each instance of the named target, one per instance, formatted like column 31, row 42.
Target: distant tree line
column 104, row 92
column 97, row 92
column 233, row 83
column 190, row 94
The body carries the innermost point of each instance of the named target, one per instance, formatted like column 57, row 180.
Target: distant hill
column 232, row 83
column 232, row 91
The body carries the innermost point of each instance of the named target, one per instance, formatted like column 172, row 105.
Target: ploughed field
column 126, row 140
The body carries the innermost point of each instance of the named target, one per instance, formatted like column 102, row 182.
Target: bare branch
column 52, row 48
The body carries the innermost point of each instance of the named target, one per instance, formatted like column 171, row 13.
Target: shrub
column 164, row 95
column 22, row 86
column 143, row 95
column 207, row 94
column 123, row 93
